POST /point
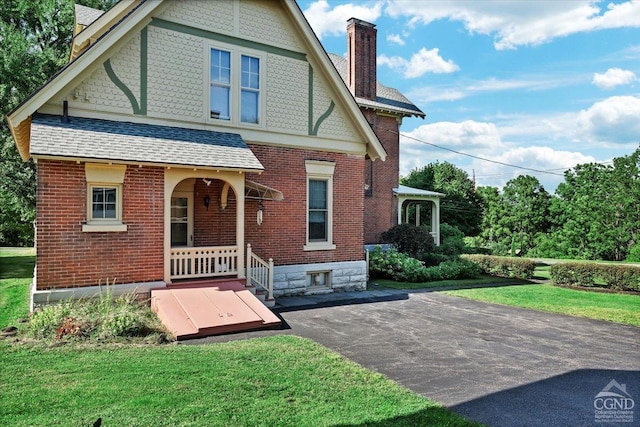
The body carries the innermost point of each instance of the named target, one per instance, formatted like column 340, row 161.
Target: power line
column 480, row 158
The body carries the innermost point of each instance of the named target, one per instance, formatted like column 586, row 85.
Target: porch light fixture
column 259, row 213
column 207, row 200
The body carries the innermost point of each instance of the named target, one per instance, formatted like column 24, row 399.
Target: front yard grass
column 16, row 272
column 619, row 308
column 280, row 380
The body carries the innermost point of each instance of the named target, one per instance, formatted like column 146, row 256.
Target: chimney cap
column 360, row 22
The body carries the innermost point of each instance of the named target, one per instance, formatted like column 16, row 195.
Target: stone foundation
column 344, row 277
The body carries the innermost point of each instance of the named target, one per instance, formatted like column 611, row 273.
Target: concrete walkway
column 499, row 365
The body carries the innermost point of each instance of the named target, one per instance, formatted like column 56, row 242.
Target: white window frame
column 104, row 176
column 235, row 107
column 321, row 171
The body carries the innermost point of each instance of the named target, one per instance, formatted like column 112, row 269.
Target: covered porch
column 204, row 228
column 416, row 197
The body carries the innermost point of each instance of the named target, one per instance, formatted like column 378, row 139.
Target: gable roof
column 94, row 139
column 96, row 40
column 387, row 98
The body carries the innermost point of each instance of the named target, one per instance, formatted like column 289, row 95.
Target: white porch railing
column 210, row 261
column 260, row 272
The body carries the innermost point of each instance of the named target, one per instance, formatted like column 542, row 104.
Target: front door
column 181, row 219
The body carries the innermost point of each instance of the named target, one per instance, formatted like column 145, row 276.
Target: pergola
column 416, row 196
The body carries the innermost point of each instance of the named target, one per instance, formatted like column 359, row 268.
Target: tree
column 36, row 37
column 461, row 207
column 525, row 211
column 493, row 233
column 598, row 215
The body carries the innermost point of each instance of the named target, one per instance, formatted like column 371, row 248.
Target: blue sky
column 540, row 84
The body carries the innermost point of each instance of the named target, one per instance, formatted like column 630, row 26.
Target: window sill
column 320, row 246
column 103, row 228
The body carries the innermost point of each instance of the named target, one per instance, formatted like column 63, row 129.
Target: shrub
column 395, row 265
column 451, row 241
column 409, row 239
column 46, row 321
column 503, row 266
column 103, row 318
column 634, row 254
column 609, row 276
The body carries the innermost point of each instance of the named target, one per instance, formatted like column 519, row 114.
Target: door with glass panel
column 182, row 219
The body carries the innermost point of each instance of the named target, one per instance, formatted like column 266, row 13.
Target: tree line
column 35, row 37
column 594, row 213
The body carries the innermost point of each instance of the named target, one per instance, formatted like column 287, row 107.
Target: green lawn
column 16, row 272
column 281, row 380
column 275, row 381
column 619, row 308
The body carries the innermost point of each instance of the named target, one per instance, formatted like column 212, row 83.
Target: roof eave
column 24, row 110
column 146, row 163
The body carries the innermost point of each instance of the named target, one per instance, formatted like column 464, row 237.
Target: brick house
column 198, row 139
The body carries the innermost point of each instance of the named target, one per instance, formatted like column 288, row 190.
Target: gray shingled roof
column 388, row 98
column 86, row 15
column 84, row 138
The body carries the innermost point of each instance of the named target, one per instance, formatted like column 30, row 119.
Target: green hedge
column 503, row 266
column 394, row 265
column 609, row 276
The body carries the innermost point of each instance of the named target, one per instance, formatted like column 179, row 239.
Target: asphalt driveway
column 498, row 365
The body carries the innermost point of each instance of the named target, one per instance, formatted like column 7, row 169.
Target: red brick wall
column 68, row 257
column 282, row 234
column 213, row 226
column 381, row 208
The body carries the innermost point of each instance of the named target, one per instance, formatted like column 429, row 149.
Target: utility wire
column 480, row 158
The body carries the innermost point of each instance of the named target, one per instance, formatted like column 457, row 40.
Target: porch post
column 239, row 189
column 435, row 219
column 418, row 214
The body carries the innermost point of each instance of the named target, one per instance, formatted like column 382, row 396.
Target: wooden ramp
column 199, row 311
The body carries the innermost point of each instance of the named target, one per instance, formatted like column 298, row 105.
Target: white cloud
column 614, row 120
column 463, row 90
column 327, row 21
column 541, row 158
column 422, row 62
column 463, row 134
column 468, row 136
column 520, row 23
column 396, row 39
column 613, row 77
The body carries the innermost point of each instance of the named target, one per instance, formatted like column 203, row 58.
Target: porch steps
column 197, row 311
column 224, row 285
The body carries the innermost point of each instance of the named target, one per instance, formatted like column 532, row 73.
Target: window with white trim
column 104, row 198
column 319, row 205
column 220, row 84
column 235, row 86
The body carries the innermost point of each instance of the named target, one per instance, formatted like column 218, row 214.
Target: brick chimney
column 361, row 58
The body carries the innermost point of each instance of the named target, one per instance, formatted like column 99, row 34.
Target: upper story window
column 250, row 89
column 235, row 85
column 220, row 84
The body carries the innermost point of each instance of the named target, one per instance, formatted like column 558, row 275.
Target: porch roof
column 94, row 139
column 416, row 193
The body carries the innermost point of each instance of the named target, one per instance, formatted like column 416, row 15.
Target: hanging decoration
column 259, row 213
